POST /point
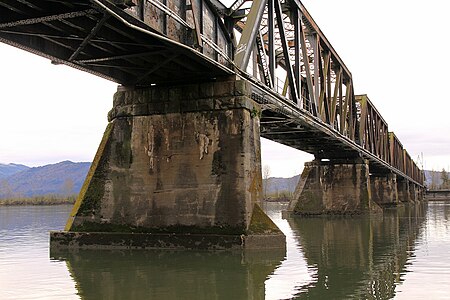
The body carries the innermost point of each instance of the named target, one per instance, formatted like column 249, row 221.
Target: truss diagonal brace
column 155, row 68
column 89, row 37
column 284, row 43
column 247, row 40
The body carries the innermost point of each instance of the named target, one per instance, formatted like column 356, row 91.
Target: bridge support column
column 403, row 189
column 334, row 187
column 178, row 167
column 384, row 189
column 415, row 192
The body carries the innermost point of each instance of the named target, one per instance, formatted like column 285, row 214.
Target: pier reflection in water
column 359, row 257
column 171, row 274
column 350, row 258
column 327, row 258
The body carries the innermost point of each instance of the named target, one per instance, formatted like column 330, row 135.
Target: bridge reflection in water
column 359, row 258
column 340, row 258
column 170, row 274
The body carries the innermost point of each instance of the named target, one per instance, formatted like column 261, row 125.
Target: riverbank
column 38, row 200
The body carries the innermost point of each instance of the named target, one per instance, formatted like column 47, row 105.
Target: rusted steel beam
column 308, row 72
column 307, row 17
column 197, row 30
column 271, row 33
column 58, row 17
column 373, row 129
column 289, row 70
column 89, row 37
column 248, row 36
column 296, row 19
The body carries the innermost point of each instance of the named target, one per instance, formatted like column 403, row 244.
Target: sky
column 396, row 51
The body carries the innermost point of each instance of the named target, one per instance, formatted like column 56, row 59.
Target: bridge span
column 200, row 82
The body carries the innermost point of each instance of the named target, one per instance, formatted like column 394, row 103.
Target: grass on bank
column 38, row 200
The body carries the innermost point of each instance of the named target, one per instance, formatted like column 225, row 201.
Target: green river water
column 404, row 254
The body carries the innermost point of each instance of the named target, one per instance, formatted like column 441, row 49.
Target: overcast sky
column 396, row 51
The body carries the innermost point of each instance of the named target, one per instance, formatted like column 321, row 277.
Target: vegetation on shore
column 439, row 180
column 283, row 196
column 39, row 200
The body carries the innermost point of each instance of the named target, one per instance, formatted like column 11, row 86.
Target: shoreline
column 38, row 200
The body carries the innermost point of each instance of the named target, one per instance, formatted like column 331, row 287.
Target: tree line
column 439, row 180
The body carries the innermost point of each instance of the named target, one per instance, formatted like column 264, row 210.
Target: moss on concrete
column 123, row 155
column 93, row 187
column 260, row 223
column 310, row 203
column 175, row 229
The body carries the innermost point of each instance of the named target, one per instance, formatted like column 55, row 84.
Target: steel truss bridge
column 304, row 87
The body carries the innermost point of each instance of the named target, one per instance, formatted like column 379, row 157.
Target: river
column 403, row 254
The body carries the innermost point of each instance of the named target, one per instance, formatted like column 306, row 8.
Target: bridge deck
column 103, row 39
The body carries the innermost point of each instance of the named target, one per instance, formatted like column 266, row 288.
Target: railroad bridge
column 199, row 83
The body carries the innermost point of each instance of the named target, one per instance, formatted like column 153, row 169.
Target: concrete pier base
column 177, row 165
column 336, row 187
column 384, row 189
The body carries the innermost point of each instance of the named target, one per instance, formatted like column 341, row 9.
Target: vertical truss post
column 247, row 40
column 314, row 40
column 363, row 121
column 262, row 61
column 297, row 44
column 140, row 9
column 198, row 34
column 287, row 59
column 354, row 134
column 271, row 48
column 255, row 63
column 324, row 94
column 341, row 107
column 337, row 85
column 312, row 101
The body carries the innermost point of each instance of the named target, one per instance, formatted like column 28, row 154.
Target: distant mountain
column 280, row 184
column 64, row 178
column 11, row 169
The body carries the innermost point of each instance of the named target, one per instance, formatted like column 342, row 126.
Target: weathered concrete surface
column 334, row 187
column 177, row 160
column 416, row 193
column 61, row 240
column 384, row 189
column 403, row 189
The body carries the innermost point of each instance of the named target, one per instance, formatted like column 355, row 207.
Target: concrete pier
column 334, row 187
column 384, row 189
column 175, row 162
column 404, row 191
column 416, row 193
